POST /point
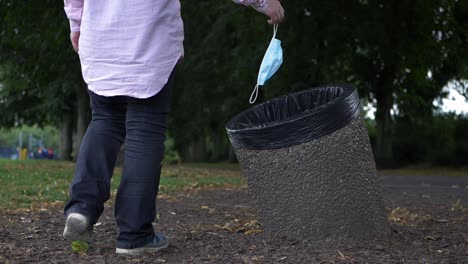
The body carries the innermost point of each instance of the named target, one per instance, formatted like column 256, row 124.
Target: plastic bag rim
column 347, row 91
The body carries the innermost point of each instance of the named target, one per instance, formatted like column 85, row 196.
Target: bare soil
column 429, row 221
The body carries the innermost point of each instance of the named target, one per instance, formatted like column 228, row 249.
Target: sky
column 454, row 102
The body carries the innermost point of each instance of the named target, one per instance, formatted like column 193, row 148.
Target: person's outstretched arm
column 74, row 9
column 271, row 8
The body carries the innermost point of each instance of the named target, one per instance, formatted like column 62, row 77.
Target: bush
column 47, row 136
column 170, row 153
column 440, row 140
column 461, row 139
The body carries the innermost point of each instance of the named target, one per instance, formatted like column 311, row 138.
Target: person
column 128, row 52
column 40, row 153
column 50, row 153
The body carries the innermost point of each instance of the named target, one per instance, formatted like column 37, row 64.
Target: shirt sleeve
column 259, row 5
column 74, row 9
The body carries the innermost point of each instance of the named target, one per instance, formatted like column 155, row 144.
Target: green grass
column 36, row 183
column 215, row 165
column 424, row 171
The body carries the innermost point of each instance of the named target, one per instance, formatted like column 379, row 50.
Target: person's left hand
column 74, row 37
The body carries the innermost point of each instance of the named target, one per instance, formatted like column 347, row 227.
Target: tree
column 40, row 73
column 398, row 54
column 406, row 52
column 386, row 48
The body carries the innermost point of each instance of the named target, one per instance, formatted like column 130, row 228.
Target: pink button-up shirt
column 130, row 47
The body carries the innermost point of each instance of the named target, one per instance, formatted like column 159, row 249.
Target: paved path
column 426, row 189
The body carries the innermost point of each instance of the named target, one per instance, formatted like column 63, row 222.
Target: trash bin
column 308, row 161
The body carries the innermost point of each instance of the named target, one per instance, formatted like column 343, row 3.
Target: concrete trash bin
column 308, row 161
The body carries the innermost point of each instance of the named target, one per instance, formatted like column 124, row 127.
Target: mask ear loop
column 254, row 95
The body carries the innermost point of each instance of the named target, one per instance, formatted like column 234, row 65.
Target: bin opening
column 285, row 108
column 295, row 118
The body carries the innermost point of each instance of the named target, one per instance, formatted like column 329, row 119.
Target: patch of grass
column 175, row 178
column 217, row 165
column 437, row 171
column 33, row 183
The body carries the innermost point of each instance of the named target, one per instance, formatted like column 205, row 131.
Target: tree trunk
column 385, row 87
column 185, row 153
column 199, row 150
column 383, row 118
column 66, row 133
column 83, row 118
column 232, row 155
column 215, row 153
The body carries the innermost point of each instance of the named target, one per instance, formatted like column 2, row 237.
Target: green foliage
column 386, row 48
column 80, row 247
column 440, row 140
column 170, row 153
column 460, row 156
column 49, row 135
column 38, row 69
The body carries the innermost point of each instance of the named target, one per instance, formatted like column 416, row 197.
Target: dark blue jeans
column 143, row 123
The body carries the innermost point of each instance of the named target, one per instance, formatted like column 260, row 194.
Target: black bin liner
column 308, row 161
column 295, row 118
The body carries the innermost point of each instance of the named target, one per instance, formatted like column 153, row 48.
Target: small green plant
column 80, row 247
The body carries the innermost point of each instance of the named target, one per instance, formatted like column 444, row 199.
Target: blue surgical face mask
column 270, row 64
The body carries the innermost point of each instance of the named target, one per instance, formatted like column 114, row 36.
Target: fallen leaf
column 253, row 223
column 253, row 247
column 343, row 257
column 226, row 227
column 254, row 231
column 401, row 215
column 258, row 258
column 458, row 206
column 80, row 247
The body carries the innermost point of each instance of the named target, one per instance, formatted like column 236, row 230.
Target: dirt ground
column 429, row 219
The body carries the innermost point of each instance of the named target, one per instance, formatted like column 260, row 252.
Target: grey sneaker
column 77, row 228
column 159, row 242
